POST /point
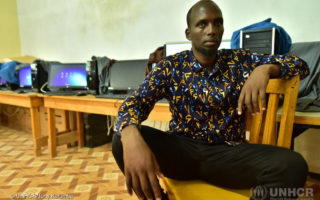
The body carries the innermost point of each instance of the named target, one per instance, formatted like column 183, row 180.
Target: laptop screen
column 70, row 75
column 25, row 77
column 127, row 74
column 2, row 82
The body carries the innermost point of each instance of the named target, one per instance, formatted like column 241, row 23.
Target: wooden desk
column 88, row 104
column 33, row 102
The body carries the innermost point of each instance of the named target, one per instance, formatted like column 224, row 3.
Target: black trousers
column 241, row 166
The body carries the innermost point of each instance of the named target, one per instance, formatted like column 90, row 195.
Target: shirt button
column 205, row 90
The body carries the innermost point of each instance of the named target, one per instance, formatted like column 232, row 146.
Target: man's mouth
column 210, row 42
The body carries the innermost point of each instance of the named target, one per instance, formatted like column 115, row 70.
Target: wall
column 74, row 30
column 9, row 29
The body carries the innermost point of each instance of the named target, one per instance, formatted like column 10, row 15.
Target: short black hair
column 190, row 10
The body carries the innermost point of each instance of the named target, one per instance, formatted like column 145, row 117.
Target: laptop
column 3, row 84
column 124, row 77
column 25, row 81
column 67, row 79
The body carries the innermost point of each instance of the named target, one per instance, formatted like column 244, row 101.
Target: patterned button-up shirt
column 203, row 104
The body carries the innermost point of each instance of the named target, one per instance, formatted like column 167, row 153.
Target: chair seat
column 197, row 189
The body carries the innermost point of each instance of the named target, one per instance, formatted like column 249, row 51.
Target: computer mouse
column 20, row 91
column 81, row 93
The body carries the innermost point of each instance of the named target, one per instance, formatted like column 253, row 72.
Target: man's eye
column 219, row 23
column 201, row 25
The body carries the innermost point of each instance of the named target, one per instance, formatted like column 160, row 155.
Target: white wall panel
column 74, row 30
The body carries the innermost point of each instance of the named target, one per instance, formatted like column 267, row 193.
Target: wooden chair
column 262, row 129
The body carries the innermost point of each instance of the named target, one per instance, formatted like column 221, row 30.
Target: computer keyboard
column 65, row 93
column 113, row 96
column 20, row 91
column 122, row 96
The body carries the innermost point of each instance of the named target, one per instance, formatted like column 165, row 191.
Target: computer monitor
column 3, row 82
column 176, row 47
column 24, row 75
column 225, row 44
column 127, row 75
column 67, row 76
column 259, row 40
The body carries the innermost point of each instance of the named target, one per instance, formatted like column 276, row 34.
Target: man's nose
column 211, row 30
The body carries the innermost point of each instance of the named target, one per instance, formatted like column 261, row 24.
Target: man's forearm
column 273, row 70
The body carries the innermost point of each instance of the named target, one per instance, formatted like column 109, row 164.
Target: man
column 207, row 90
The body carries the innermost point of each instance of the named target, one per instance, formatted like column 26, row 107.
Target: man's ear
column 188, row 34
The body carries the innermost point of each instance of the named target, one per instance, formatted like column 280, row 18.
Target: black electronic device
column 24, row 78
column 35, row 78
column 3, row 84
column 95, row 132
column 124, row 77
column 92, row 77
column 67, row 79
column 261, row 41
column 39, row 75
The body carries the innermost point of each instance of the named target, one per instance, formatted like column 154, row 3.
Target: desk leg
column 67, row 121
column 35, row 124
column 52, row 132
column 80, row 129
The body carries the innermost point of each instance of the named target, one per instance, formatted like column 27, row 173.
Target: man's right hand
column 140, row 165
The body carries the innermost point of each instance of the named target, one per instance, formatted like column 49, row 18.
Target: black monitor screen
column 261, row 41
column 2, row 81
column 68, row 76
column 25, row 77
column 127, row 74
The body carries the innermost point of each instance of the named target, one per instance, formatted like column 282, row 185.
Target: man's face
column 206, row 29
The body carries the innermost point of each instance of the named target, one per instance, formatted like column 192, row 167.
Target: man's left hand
column 256, row 86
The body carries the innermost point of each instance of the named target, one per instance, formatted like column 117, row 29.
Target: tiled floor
column 86, row 173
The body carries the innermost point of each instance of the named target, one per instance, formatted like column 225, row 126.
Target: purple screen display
column 70, row 75
column 2, row 81
column 25, row 76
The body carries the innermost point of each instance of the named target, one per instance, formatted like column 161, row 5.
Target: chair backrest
column 263, row 126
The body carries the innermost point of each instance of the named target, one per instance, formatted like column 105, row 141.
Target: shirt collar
column 196, row 66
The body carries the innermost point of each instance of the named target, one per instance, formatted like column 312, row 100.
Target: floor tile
column 85, row 173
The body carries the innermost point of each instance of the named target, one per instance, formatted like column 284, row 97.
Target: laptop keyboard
column 122, row 96
column 113, row 96
column 64, row 93
column 20, row 91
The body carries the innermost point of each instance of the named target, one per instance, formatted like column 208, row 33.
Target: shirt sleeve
column 290, row 65
column 136, row 108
